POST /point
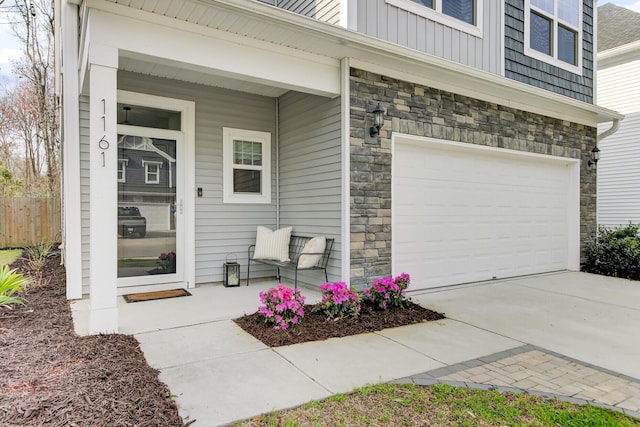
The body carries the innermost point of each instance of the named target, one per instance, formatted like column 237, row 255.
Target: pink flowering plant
column 338, row 301
column 283, row 306
column 389, row 292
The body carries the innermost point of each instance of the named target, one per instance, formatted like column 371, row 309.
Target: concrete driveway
column 572, row 324
column 588, row 317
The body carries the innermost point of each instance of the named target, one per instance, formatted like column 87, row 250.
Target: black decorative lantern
column 231, row 272
column 378, row 121
column 594, row 157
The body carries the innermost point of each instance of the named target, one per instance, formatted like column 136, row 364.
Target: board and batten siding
column 84, row 192
column 310, row 173
column 379, row 19
column 619, row 87
column 619, row 174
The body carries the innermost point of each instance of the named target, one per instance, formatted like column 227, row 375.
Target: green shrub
column 614, row 252
column 10, row 283
column 36, row 256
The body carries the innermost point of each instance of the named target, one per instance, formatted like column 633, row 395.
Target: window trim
column 124, row 163
column 555, row 22
column 228, row 136
column 146, row 164
column 437, row 15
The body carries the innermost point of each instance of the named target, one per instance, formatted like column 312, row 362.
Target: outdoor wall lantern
column 126, row 115
column 595, row 156
column 378, row 121
column 231, row 273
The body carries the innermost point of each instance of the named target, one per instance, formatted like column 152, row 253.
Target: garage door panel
column 473, row 215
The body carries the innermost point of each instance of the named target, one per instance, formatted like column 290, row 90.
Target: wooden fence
column 26, row 221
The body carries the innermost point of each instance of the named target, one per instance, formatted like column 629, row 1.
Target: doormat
column 148, row 296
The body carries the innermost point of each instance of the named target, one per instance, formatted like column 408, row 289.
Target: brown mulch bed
column 52, row 377
column 315, row 327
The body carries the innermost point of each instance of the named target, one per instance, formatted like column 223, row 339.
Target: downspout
column 277, row 142
column 613, row 129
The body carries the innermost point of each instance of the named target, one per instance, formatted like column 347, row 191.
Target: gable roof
column 617, row 26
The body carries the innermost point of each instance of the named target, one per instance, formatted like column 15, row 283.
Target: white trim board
column 187, row 135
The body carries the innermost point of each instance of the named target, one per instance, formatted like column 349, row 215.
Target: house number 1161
column 103, row 144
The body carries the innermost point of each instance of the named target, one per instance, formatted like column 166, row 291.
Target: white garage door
column 464, row 213
column 157, row 214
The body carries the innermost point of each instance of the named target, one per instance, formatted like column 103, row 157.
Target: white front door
column 463, row 213
column 150, row 205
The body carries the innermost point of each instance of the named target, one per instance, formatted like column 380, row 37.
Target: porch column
column 103, row 66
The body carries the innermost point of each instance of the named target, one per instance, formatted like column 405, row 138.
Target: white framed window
column 463, row 15
column 246, row 168
column 122, row 170
column 553, row 32
column 152, row 172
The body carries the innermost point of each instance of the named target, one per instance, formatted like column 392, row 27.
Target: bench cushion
column 272, row 245
column 314, row 246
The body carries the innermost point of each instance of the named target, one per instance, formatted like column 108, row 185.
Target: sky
column 9, row 48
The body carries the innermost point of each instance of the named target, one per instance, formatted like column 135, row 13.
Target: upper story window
column 464, row 10
column 553, row 32
column 464, row 15
column 152, row 172
column 122, row 170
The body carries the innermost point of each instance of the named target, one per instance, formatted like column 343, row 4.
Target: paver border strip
column 429, row 378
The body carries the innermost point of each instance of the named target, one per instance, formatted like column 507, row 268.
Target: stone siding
column 419, row 110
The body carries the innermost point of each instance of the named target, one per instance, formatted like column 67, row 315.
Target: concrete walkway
column 566, row 334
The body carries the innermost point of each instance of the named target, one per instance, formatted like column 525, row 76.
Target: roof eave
column 468, row 81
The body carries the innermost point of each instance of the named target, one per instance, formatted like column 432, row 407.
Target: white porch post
column 71, row 151
column 103, row 317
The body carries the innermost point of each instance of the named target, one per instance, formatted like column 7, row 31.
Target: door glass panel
column 146, row 206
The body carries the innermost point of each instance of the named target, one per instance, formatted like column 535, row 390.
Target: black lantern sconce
column 378, row 121
column 231, row 273
column 595, row 156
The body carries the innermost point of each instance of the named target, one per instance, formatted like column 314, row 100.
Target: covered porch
column 202, row 87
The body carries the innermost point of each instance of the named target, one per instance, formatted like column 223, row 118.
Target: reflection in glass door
column 147, row 209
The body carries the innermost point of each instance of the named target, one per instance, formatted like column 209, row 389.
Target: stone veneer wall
column 419, row 110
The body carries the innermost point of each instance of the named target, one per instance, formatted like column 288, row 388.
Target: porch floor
column 207, row 303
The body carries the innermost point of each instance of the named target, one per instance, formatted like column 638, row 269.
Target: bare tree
column 31, row 105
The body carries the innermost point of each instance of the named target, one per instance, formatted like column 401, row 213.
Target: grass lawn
column 7, row 256
column 439, row 405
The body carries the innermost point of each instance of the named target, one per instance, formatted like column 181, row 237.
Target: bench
column 296, row 244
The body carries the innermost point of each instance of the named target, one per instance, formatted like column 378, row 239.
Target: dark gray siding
column 528, row 70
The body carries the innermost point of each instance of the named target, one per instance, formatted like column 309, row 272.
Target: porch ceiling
column 189, row 73
column 215, row 16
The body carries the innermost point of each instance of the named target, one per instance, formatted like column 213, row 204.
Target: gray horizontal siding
column 384, row 21
column 310, row 177
column 221, row 229
column 528, row 70
column 84, row 191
